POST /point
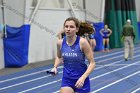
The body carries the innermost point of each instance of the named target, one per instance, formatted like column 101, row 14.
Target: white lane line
column 114, row 70
column 114, row 65
column 112, row 54
column 39, row 86
column 57, row 91
column 136, row 90
column 115, row 82
column 109, row 54
column 133, row 88
column 32, row 80
column 111, row 58
column 14, row 78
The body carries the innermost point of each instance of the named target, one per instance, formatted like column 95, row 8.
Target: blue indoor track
column 111, row 75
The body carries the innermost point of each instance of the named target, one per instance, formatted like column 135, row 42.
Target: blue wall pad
column 16, row 46
column 98, row 37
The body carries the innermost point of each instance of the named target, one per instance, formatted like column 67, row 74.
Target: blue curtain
column 16, row 46
column 98, row 37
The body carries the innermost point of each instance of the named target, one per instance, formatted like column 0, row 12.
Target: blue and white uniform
column 91, row 36
column 105, row 33
column 74, row 66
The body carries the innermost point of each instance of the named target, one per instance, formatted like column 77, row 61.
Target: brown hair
column 76, row 21
column 84, row 27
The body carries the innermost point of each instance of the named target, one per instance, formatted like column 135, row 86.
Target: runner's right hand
column 54, row 70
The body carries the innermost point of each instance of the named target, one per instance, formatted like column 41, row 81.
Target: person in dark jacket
column 128, row 34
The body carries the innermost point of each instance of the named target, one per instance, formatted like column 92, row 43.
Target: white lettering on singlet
column 69, row 54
